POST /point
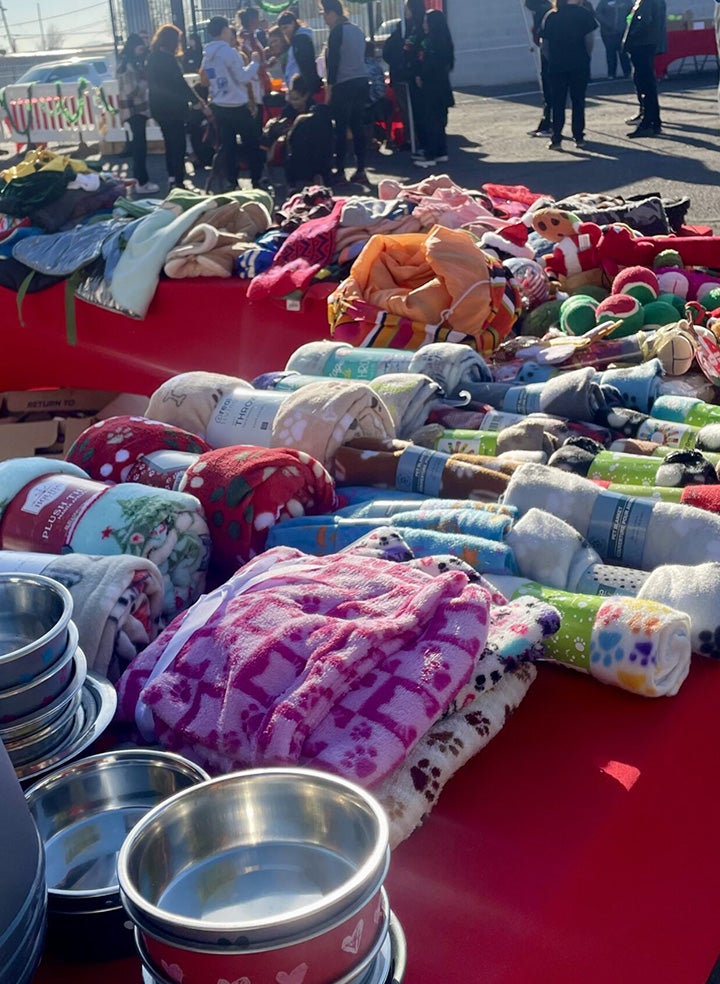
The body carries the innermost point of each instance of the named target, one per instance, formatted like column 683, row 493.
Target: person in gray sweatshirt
column 347, row 88
column 228, row 80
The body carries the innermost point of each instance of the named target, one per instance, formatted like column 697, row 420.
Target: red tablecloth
column 579, row 847
column 686, row 44
column 192, row 324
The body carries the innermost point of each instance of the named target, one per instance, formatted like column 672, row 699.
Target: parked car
column 95, row 70
column 386, row 29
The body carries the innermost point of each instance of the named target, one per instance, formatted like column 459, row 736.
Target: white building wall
column 492, row 40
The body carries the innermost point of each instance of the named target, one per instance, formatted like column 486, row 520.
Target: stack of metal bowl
column 42, row 668
column 267, row 875
column 23, row 898
column 83, row 812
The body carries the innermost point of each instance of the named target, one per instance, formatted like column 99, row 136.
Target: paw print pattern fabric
column 245, row 491
column 332, row 662
column 635, row 644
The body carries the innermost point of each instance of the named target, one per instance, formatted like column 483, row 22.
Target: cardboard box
column 47, row 422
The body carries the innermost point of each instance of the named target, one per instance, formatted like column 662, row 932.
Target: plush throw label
column 44, row 514
column 365, row 363
column 668, row 432
column 162, row 469
column 523, row 399
column 496, row 420
column 244, row 417
column 420, row 470
column 618, row 527
column 466, row 442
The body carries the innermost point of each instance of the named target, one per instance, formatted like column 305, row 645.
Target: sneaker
column 442, row 158
column 149, row 188
column 359, row 177
column 555, row 145
column 632, row 120
column 542, row 131
column 579, row 142
column 425, row 162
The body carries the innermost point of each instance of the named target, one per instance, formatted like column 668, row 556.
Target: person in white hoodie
column 229, row 82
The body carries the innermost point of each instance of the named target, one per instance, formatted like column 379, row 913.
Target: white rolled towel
column 632, row 532
column 696, row 591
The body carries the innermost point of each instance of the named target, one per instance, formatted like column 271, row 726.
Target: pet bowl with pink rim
column 261, row 866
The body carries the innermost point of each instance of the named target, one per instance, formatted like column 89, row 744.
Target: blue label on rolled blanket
column 420, row 470
column 618, row 527
column 523, row 399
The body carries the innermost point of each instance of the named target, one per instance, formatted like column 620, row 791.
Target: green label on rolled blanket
column 420, row 470
column 703, row 413
column 244, row 417
column 618, row 527
column 363, row 363
column 466, row 442
column 523, row 399
column 571, row 643
column 668, row 432
column 44, row 514
column 627, row 469
column 658, row 492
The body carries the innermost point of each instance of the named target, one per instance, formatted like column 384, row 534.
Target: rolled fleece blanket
column 575, row 395
column 639, row 386
column 414, row 469
column 189, row 399
column 321, row 417
column 634, row 644
column 381, row 504
column 54, row 507
column 409, row 398
column 686, row 410
column 335, row 663
column 675, row 470
column 133, row 449
column 633, row 532
column 551, row 552
column 694, row 590
column 324, row 535
column 244, row 491
column 327, row 358
column 117, row 602
column 457, row 368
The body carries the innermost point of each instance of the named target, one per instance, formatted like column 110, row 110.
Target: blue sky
column 80, row 21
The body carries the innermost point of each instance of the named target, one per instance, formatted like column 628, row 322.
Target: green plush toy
column 658, row 313
column 540, row 319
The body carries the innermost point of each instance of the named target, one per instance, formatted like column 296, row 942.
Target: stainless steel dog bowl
column 26, row 727
column 35, row 694
column 84, row 812
column 35, row 612
column 44, row 741
column 264, row 856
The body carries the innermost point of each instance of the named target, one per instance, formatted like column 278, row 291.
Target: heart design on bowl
column 173, row 971
column 351, row 944
column 296, row 976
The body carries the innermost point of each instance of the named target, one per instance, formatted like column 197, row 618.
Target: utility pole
column 11, row 39
column 42, row 29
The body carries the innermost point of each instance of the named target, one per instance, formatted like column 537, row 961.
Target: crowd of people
column 632, row 34
column 260, row 98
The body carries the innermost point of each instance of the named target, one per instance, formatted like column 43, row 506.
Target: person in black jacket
column 539, row 8
column 170, row 97
column 414, row 36
column 394, row 58
column 301, row 51
column 436, row 61
column 347, row 88
column 567, row 41
column 644, row 38
column 612, row 18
